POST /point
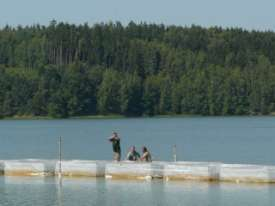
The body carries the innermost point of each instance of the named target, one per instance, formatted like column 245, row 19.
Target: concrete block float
column 78, row 168
column 203, row 171
column 28, row 167
column 247, row 173
column 192, row 171
column 134, row 170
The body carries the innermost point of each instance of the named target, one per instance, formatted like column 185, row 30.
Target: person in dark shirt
column 133, row 155
column 116, row 146
column 146, row 156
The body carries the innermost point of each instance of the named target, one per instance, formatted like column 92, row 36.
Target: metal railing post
column 175, row 153
column 60, row 158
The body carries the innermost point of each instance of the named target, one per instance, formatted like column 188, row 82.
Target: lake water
column 82, row 192
column 229, row 139
column 226, row 139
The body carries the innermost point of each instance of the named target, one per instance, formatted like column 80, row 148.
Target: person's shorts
column 117, row 156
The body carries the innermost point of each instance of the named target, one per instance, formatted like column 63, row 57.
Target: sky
column 247, row 14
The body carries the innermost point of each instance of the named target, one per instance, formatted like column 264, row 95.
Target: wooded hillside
column 65, row 70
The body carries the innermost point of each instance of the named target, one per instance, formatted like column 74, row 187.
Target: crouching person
column 146, row 156
column 133, row 155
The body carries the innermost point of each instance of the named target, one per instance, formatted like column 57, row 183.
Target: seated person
column 133, row 155
column 146, row 156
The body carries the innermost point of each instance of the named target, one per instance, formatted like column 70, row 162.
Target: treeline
column 64, row 70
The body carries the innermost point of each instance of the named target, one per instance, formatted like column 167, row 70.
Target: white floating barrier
column 191, row 171
column 157, row 169
column 128, row 170
column 139, row 170
column 24, row 167
column 271, row 173
column 81, row 168
column 247, row 173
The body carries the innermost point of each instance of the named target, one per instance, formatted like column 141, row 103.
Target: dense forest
column 64, row 70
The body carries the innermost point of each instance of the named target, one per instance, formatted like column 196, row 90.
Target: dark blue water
column 226, row 139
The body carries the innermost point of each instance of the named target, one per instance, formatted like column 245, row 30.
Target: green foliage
column 151, row 95
column 67, row 70
column 109, row 93
column 131, row 95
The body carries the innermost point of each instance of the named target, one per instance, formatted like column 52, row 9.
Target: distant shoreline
column 30, row 117
column 27, row 117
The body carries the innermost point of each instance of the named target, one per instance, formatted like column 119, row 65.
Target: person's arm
column 113, row 138
column 128, row 156
column 144, row 156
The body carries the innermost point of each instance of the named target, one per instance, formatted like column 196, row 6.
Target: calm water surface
column 82, row 192
column 231, row 139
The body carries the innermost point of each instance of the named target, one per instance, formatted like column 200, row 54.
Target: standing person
column 146, row 156
column 116, row 146
column 133, row 155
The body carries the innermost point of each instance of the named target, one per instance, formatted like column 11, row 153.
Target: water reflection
column 28, row 191
column 59, row 185
column 48, row 192
column 192, row 193
column 247, row 194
